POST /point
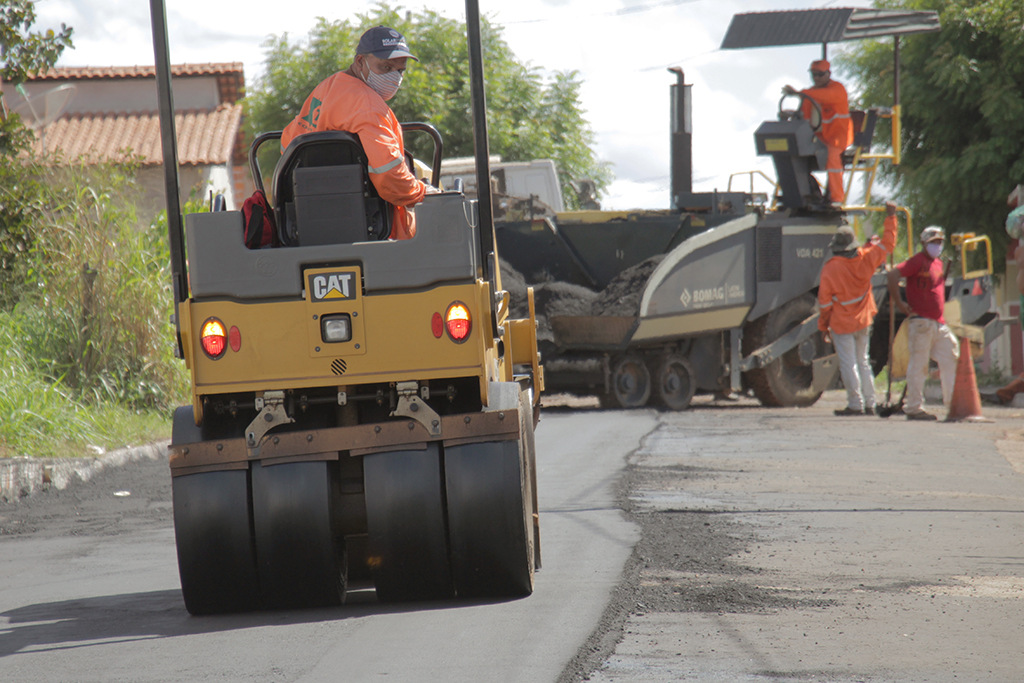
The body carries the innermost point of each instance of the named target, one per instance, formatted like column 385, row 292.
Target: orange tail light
column 458, row 322
column 213, row 338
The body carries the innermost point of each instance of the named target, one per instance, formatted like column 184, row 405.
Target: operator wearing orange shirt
column 354, row 101
column 836, row 127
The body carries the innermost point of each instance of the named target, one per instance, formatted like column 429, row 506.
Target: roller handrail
column 435, row 166
column 435, row 169
column 254, row 164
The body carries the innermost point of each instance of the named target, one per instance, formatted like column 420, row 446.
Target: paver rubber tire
column 631, row 382
column 674, row 385
column 788, row 380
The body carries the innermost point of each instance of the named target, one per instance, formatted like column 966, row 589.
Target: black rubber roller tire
column 300, row 555
column 788, row 380
column 491, row 514
column 408, row 550
column 213, row 533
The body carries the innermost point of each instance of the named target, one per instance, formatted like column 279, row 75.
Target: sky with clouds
column 621, row 49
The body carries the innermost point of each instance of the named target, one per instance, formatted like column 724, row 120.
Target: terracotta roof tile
column 204, row 137
column 80, row 72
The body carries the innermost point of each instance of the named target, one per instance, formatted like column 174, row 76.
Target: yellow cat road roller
column 362, row 408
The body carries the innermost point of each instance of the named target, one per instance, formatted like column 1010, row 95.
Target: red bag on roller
column 260, row 231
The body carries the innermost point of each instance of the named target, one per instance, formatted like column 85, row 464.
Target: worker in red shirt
column 355, row 101
column 847, row 308
column 836, row 127
column 929, row 336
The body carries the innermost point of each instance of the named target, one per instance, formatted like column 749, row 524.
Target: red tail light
column 458, row 322
column 234, row 339
column 213, row 338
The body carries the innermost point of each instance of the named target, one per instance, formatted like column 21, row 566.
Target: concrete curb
column 21, row 477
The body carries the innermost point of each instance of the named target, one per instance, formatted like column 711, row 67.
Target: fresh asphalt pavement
column 726, row 543
column 89, row 588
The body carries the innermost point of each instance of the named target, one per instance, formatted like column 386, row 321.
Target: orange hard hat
column 820, row 65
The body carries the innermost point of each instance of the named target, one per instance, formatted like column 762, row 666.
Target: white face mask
column 385, row 85
column 933, row 249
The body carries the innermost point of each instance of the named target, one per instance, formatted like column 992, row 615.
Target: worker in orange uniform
column 847, row 308
column 836, row 127
column 355, row 101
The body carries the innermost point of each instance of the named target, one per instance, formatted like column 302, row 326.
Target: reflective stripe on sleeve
column 386, row 167
column 837, row 116
column 851, row 301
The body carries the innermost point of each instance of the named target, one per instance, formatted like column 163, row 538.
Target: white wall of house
column 194, row 181
column 122, row 95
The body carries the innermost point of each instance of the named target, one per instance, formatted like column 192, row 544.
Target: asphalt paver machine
column 362, row 409
column 732, row 303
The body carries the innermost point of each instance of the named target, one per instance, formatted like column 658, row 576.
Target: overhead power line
column 635, row 9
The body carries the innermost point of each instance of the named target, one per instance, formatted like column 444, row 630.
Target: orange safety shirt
column 342, row 102
column 836, row 125
column 845, row 301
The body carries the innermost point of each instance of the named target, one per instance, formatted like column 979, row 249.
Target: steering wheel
column 792, row 114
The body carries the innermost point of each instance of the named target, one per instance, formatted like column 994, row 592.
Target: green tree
column 22, row 51
column 962, row 95
column 528, row 117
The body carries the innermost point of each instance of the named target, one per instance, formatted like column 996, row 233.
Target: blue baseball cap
column 384, row 43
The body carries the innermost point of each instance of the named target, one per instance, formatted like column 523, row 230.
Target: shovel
column 889, row 409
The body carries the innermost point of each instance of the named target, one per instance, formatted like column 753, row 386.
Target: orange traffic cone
column 965, row 405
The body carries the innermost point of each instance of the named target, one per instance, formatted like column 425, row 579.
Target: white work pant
column 855, row 368
column 928, row 339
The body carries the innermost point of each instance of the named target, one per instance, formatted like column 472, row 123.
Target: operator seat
column 863, row 132
column 323, row 194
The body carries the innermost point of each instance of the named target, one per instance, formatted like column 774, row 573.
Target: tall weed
column 95, row 302
column 41, row 417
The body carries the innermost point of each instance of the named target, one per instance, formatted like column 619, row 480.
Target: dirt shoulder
column 121, row 494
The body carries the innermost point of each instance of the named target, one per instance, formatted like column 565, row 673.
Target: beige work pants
column 929, row 340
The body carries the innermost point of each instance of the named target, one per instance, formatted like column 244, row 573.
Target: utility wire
column 635, row 9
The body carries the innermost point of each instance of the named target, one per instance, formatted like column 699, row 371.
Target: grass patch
column 86, row 347
column 44, row 418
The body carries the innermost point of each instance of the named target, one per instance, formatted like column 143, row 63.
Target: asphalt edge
column 611, row 627
column 20, row 477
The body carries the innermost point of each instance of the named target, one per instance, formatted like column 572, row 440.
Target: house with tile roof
column 96, row 114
